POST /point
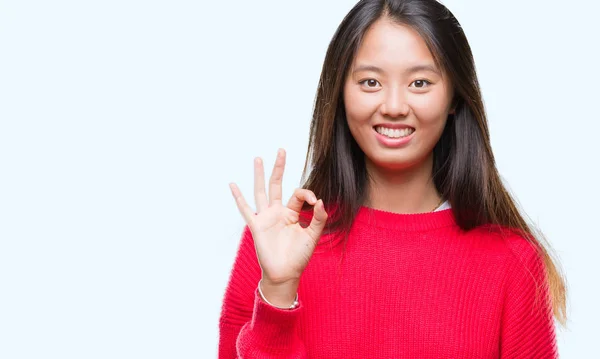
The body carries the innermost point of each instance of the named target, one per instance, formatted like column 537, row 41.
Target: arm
column 276, row 248
column 527, row 322
column 249, row 328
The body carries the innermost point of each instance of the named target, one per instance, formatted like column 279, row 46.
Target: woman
column 403, row 241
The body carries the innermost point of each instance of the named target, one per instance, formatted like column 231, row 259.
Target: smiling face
column 396, row 100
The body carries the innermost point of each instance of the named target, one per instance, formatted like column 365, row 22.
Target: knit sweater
column 402, row 286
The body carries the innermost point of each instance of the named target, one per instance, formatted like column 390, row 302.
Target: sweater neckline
column 406, row 221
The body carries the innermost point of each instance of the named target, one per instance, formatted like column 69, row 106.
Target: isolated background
column 122, row 122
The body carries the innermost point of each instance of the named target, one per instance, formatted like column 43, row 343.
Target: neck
column 408, row 190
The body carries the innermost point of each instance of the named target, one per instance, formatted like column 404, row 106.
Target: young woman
column 402, row 241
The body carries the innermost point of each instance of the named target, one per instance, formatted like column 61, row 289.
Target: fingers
column 244, row 208
column 277, row 178
column 299, row 197
column 260, row 195
column 317, row 224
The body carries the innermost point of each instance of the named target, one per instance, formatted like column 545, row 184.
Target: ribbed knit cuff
column 272, row 329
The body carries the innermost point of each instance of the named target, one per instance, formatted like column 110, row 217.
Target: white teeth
column 394, row 133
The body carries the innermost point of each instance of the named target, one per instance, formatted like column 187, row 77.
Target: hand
column 282, row 246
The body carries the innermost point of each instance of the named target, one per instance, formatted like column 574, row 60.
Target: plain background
column 122, row 123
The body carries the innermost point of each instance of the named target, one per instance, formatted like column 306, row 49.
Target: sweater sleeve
column 527, row 329
column 249, row 328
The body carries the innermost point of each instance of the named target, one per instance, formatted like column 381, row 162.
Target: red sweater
column 409, row 286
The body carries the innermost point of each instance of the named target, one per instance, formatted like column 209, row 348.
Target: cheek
column 430, row 110
column 359, row 106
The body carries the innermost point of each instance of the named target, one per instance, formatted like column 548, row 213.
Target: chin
column 392, row 162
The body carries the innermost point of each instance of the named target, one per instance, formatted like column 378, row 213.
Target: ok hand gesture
column 283, row 247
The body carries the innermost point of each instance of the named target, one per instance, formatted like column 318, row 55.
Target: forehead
column 390, row 45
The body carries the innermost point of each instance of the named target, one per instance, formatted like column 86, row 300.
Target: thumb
column 317, row 224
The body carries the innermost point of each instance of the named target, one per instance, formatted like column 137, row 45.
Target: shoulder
column 519, row 258
column 520, row 252
column 511, row 240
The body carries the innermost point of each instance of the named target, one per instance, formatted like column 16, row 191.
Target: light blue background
column 122, row 122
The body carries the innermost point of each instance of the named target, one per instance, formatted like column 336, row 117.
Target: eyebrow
column 410, row 70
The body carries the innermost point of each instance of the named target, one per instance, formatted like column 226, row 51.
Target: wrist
column 281, row 295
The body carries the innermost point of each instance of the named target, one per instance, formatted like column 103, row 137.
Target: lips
column 394, row 132
column 390, row 137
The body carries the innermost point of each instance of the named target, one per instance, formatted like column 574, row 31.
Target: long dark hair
column 464, row 169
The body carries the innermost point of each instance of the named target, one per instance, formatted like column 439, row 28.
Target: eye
column 371, row 83
column 420, row 84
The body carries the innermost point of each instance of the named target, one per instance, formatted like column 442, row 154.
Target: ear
column 453, row 105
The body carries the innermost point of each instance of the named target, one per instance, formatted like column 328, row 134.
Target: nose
column 394, row 104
